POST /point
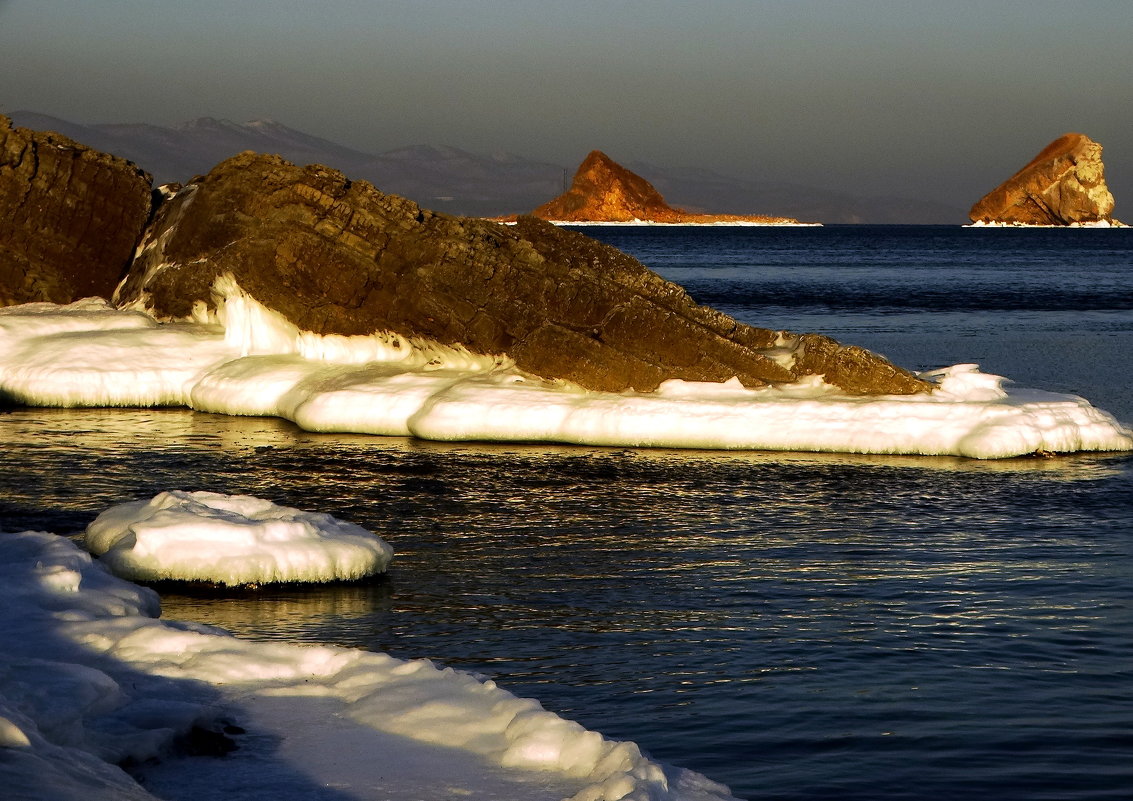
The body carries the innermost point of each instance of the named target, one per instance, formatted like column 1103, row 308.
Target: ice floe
column 91, row 679
column 246, row 359
column 231, row 540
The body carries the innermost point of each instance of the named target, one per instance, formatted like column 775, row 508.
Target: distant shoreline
column 717, row 224
column 1097, row 224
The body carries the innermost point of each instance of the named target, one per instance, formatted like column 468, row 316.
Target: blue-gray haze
column 939, row 100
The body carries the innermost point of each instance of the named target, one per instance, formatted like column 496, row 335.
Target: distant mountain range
column 459, row 182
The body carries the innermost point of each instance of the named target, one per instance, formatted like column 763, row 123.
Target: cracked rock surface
column 71, row 217
column 1064, row 184
column 339, row 257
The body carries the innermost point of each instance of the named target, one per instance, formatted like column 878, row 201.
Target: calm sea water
column 796, row 626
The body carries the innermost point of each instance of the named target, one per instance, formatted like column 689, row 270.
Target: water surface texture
column 797, row 626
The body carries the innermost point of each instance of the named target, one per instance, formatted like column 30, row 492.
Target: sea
column 796, row 626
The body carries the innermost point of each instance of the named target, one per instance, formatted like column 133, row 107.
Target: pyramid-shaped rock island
column 605, row 191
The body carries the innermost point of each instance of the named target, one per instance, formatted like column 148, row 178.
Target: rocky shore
column 339, row 257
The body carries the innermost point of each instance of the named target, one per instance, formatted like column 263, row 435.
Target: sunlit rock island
column 266, row 288
column 1063, row 186
column 604, row 192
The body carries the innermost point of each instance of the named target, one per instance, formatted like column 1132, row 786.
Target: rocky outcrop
column 70, row 217
column 1062, row 185
column 339, row 257
column 605, row 191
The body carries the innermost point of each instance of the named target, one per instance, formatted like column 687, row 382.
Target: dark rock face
column 1064, row 184
column 339, row 257
column 605, row 191
column 70, row 220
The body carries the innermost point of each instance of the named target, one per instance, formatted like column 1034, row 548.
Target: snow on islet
column 246, row 359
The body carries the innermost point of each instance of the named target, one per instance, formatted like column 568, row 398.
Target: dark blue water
column 796, row 626
column 1046, row 307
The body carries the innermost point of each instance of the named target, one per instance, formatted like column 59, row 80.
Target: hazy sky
column 908, row 97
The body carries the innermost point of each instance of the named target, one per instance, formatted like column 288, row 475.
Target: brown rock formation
column 1062, row 185
column 70, row 217
column 605, row 191
column 339, row 257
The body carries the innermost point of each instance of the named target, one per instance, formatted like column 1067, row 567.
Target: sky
column 938, row 100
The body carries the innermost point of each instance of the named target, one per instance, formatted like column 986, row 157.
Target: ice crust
column 232, row 540
column 90, row 678
column 245, row 359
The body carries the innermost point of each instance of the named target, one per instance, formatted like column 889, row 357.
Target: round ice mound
column 231, row 540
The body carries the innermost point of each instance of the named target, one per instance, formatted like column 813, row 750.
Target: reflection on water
column 124, row 431
column 281, row 612
column 796, row 625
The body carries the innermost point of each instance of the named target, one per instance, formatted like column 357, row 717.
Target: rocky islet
column 605, row 191
column 1063, row 185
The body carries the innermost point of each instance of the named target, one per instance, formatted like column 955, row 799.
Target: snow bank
column 231, row 539
column 89, row 354
column 249, row 360
column 90, row 678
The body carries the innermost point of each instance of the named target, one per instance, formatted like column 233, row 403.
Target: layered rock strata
column 605, row 191
column 70, row 217
column 339, row 257
column 1063, row 185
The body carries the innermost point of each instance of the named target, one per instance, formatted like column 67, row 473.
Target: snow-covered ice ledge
column 247, row 360
column 90, row 678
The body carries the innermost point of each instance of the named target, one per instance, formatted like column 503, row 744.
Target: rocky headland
column 1063, row 185
column 605, row 191
column 335, row 256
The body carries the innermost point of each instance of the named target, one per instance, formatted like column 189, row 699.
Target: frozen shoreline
column 247, row 360
column 90, row 678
